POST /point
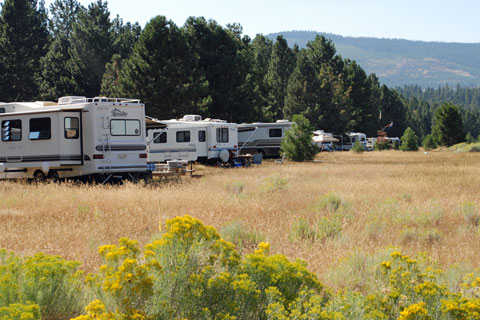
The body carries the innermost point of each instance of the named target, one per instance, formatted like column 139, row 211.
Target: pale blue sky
column 428, row 20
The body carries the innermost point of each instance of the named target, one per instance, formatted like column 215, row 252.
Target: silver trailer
column 262, row 138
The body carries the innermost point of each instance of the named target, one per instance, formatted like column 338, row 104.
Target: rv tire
column 53, row 176
column 39, row 176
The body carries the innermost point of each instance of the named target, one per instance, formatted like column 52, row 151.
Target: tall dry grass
column 412, row 201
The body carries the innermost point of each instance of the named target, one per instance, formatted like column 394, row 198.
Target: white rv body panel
column 75, row 137
column 264, row 138
column 353, row 137
column 191, row 139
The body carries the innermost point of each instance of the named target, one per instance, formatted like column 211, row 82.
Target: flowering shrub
column 191, row 273
column 50, row 282
column 18, row 311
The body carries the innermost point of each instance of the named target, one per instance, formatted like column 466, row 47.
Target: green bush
column 241, row 235
column 381, row 144
column 409, row 140
column 469, row 138
column 358, row 147
column 429, row 143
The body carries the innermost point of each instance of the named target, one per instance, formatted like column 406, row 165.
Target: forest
column 204, row 68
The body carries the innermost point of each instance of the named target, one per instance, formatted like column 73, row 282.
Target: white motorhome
column 262, row 138
column 191, row 138
column 95, row 138
column 323, row 140
column 350, row 138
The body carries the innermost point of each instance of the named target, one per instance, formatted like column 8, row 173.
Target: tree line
column 200, row 67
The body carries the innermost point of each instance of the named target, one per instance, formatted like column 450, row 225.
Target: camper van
column 262, row 138
column 191, row 138
column 93, row 138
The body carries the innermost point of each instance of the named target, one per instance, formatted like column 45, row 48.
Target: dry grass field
column 337, row 213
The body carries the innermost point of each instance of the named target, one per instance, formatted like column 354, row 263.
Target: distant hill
column 403, row 62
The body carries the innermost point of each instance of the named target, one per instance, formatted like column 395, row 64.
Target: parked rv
column 348, row 140
column 95, row 138
column 262, row 138
column 391, row 141
column 323, row 140
column 191, row 138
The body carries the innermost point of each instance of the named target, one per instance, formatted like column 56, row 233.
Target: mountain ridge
column 400, row 62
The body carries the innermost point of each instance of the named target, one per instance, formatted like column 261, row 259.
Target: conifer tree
column 91, row 48
column 56, row 80
column 447, row 126
column 162, row 71
column 297, row 143
column 282, row 63
column 23, row 41
column 409, row 140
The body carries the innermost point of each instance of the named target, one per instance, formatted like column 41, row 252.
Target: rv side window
column 125, row 127
column 71, row 128
column 40, row 129
column 183, row 136
column 202, row 136
column 222, row 135
column 275, row 133
column 160, row 138
column 12, row 130
column 2, row 110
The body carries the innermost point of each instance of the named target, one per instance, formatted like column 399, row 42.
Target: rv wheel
column 53, row 176
column 38, row 176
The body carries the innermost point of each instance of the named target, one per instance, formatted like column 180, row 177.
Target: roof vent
column 192, row 117
column 71, row 100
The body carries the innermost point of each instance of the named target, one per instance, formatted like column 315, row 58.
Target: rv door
column 12, row 136
column 71, row 138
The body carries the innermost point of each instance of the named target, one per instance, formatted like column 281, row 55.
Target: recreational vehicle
column 349, row 139
column 323, row 140
column 95, row 138
column 191, row 138
column 262, row 138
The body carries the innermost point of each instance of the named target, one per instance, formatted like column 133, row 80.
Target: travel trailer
column 391, row 141
column 262, row 138
column 93, row 138
column 323, row 140
column 349, row 139
column 191, row 138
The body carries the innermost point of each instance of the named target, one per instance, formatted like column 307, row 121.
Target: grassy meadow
column 342, row 213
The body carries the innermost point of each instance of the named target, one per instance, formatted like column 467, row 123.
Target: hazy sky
column 428, row 20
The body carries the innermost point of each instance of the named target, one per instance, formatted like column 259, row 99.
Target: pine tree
column 297, row 143
column 162, row 71
column 447, row 126
column 91, row 48
column 55, row 79
column 409, row 140
column 224, row 64
column 429, row 142
column 282, row 63
column 23, row 41
column 469, row 138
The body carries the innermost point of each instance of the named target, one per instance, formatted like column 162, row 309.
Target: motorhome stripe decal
column 121, row 147
column 38, row 158
column 122, row 167
column 172, row 150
